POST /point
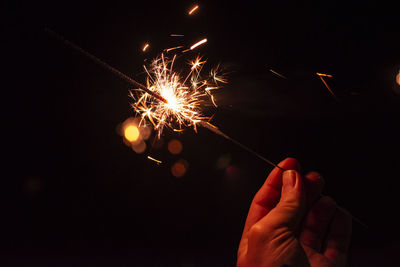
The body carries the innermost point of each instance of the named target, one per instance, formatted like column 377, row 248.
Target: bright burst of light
column 185, row 96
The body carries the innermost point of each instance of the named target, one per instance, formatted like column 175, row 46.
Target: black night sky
column 76, row 195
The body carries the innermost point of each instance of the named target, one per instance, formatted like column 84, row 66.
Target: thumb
column 291, row 208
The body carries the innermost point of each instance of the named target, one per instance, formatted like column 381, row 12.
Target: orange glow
column 198, row 43
column 139, row 148
column 175, row 147
column 193, row 9
column 179, row 168
column 398, row 78
column 131, row 133
column 325, row 75
column 145, row 47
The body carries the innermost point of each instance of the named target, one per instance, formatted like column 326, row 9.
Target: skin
column 290, row 223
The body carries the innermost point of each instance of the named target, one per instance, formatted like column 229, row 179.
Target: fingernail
column 289, row 178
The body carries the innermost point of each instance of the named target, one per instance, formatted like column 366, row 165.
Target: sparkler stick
column 103, row 64
column 220, row 133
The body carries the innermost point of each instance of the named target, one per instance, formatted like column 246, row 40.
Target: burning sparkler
column 184, row 96
column 168, row 99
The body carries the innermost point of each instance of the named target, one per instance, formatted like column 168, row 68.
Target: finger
column 269, row 194
column 338, row 238
column 314, row 184
column 317, row 222
column 291, row 207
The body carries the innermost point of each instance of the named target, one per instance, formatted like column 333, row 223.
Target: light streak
column 192, row 10
column 324, row 75
column 320, row 75
column 278, row 74
column 173, row 48
column 155, row 160
column 145, row 47
column 176, row 35
column 198, row 43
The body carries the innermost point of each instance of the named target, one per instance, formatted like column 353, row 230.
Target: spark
column 176, row 35
column 278, row 74
column 155, row 160
column 198, row 43
column 320, row 75
column 324, row 75
column 145, row 47
column 192, row 10
column 196, row 63
column 173, row 48
column 185, row 96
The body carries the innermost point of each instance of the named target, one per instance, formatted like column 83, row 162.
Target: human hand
column 289, row 224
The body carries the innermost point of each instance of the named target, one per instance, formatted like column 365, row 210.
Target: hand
column 289, row 224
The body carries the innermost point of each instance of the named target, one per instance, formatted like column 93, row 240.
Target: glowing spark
column 278, row 74
column 155, row 160
column 173, row 48
column 176, row 35
column 217, row 76
column 198, row 43
column 324, row 75
column 197, row 63
column 145, row 47
column 192, row 10
column 208, row 89
column 326, row 85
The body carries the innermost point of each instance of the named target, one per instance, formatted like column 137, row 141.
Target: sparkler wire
column 217, row 131
column 103, row 64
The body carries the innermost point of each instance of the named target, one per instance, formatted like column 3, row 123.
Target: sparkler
column 169, row 100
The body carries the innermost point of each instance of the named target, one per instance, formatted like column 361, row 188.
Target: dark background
column 75, row 195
